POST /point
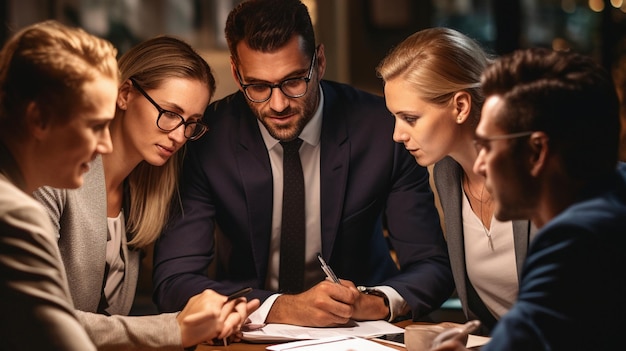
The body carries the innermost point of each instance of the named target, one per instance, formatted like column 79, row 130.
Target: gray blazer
column 80, row 218
column 36, row 311
column 447, row 175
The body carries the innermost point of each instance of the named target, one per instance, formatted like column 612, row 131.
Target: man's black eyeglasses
column 481, row 143
column 292, row 87
column 168, row 121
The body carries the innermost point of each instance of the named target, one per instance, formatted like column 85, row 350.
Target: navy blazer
column 227, row 181
column 573, row 285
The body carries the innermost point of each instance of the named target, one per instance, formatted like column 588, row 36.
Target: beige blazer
column 36, row 311
column 80, row 219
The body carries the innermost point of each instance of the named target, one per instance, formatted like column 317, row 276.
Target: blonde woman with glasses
column 105, row 226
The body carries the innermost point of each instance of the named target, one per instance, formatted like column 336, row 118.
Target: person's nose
column 278, row 101
column 479, row 164
column 178, row 134
column 399, row 135
column 104, row 143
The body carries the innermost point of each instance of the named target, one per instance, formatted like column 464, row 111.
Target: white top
column 490, row 261
column 114, row 258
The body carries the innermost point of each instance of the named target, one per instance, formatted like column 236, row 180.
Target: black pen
column 326, row 268
column 239, row 293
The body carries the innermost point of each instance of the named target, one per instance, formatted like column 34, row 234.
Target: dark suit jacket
column 447, row 174
column 228, row 181
column 573, row 283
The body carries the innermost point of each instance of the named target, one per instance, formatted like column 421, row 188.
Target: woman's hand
column 209, row 316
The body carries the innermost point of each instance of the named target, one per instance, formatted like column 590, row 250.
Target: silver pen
column 326, row 268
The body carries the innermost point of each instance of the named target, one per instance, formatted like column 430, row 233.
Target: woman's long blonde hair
column 153, row 189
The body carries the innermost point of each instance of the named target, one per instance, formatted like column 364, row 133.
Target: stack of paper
column 339, row 343
column 286, row 332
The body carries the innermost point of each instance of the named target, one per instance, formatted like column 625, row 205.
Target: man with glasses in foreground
column 548, row 145
column 352, row 174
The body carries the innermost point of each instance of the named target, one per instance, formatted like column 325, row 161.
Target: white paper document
column 339, row 343
column 476, row 340
column 286, row 332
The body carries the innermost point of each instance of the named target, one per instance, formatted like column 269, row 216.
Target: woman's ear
column 123, row 95
column 462, row 106
column 36, row 123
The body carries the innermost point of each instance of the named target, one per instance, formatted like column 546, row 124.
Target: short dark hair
column 267, row 25
column 568, row 96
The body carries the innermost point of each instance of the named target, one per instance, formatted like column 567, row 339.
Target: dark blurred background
column 357, row 33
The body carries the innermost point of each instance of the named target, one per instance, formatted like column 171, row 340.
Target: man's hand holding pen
column 331, row 302
column 326, row 304
column 367, row 304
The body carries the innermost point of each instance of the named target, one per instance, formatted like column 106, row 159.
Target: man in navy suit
column 548, row 144
column 355, row 178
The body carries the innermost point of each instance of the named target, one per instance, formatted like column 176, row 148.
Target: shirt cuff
column 397, row 305
column 260, row 315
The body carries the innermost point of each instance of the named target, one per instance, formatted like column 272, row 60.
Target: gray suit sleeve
column 154, row 332
column 37, row 312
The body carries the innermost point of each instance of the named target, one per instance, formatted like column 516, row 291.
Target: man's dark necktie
column 292, row 237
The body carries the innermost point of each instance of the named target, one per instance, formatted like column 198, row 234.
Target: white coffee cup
column 420, row 337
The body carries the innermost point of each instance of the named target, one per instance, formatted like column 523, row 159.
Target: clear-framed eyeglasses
column 168, row 121
column 291, row 87
column 481, row 143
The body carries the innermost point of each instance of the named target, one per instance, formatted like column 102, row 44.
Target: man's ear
column 538, row 142
column 462, row 106
column 320, row 61
column 123, row 94
column 233, row 71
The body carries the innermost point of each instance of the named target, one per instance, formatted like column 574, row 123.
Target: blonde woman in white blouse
column 432, row 89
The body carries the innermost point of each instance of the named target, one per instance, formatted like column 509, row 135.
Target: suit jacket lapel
column 334, row 167
column 256, row 173
column 521, row 240
column 448, row 175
